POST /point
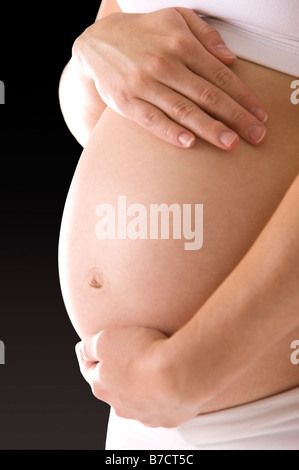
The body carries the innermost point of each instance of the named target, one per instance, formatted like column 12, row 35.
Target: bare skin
column 220, row 343
column 159, row 285
column 169, row 92
column 239, row 193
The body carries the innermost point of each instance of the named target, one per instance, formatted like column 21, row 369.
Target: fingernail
column 260, row 114
column 224, row 51
column 186, row 139
column 256, row 133
column 227, row 138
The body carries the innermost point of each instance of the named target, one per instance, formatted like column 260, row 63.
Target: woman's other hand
column 131, row 369
column 168, row 71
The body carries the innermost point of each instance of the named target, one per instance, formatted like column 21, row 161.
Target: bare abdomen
column 158, row 283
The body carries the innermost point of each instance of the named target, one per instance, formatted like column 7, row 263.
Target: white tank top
column 263, row 31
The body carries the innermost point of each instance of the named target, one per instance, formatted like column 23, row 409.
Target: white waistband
column 274, row 415
column 273, row 51
column 268, row 424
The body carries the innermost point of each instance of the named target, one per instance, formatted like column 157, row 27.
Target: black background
column 44, row 401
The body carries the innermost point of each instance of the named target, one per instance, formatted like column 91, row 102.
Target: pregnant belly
column 115, row 266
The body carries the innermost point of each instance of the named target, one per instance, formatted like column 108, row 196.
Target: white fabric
column 268, row 424
column 263, row 31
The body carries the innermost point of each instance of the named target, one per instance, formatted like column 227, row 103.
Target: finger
column 197, row 95
column 157, row 123
column 167, row 129
column 88, row 348
column 89, row 370
column 92, row 373
column 224, row 78
column 86, row 367
column 208, row 36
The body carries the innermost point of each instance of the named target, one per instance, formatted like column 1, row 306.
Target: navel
column 95, row 279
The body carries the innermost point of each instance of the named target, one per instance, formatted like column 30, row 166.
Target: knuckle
column 173, row 17
column 185, row 12
column 121, row 101
column 223, row 77
column 210, row 33
column 170, row 131
column 150, row 119
column 182, row 110
column 169, row 12
column 210, row 96
column 155, row 62
column 210, row 127
column 240, row 118
column 243, row 98
column 179, row 43
column 123, row 96
column 136, row 76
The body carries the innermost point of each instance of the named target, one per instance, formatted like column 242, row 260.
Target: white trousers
column 268, row 424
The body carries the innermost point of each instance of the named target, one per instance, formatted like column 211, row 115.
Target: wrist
column 174, row 375
column 169, row 386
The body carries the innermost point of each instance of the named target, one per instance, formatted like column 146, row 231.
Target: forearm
column 256, row 306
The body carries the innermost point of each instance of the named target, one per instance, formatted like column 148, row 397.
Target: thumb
column 88, row 348
column 208, row 36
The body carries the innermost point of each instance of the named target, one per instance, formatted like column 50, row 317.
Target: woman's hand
column 129, row 369
column 167, row 71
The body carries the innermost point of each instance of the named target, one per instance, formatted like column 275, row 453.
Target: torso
column 156, row 283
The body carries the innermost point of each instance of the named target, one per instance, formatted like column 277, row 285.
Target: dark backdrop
column 44, row 401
